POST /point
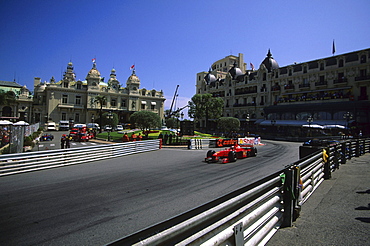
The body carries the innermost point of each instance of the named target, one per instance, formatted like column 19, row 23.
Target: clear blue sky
column 170, row 41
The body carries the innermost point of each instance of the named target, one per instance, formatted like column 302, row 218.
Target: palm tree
column 101, row 100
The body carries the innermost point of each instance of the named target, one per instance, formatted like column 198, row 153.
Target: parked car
column 47, row 137
column 63, row 125
column 51, row 126
column 79, row 125
column 93, row 126
column 107, row 128
column 119, row 128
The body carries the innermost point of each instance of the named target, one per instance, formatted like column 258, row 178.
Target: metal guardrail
column 33, row 161
column 251, row 215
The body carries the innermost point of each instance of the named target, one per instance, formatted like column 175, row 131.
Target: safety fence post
column 326, row 160
column 288, row 196
column 349, row 150
column 357, row 151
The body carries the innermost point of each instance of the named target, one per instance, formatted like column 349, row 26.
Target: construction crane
column 172, row 112
column 173, row 99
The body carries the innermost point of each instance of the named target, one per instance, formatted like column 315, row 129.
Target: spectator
column 133, row 137
column 165, row 138
column 170, row 138
column 125, row 138
column 62, row 141
column 68, row 140
column 139, row 137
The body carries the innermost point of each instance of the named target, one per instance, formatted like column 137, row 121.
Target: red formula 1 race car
column 231, row 154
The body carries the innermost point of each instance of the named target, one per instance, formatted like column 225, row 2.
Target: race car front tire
column 231, row 156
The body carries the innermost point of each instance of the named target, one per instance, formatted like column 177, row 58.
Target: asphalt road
column 99, row 202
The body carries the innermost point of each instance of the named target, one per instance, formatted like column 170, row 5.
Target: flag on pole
column 93, row 60
column 132, row 67
column 252, row 66
column 333, row 51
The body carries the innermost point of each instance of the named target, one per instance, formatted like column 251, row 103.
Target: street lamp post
column 273, row 122
column 347, row 116
column 309, row 121
column 247, row 120
column 109, row 117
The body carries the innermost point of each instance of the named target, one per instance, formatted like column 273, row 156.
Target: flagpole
column 333, row 49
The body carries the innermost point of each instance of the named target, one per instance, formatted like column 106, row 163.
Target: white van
column 63, row 125
column 51, row 126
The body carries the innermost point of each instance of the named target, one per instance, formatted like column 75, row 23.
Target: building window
column 363, row 73
column 65, row 99
column 78, row 100
column 123, row 103
column 322, row 66
column 363, row 59
column 341, row 63
column 143, row 103
column 77, row 117
column 65, row 84
column 79, row 86
column 64, row 116
column 113, row 102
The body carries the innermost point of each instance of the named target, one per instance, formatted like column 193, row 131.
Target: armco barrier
column 199, row 143
column 33, row 161
column 251, row 215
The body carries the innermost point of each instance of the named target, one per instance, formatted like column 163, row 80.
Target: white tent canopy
column 5, row 122
column 316, row 126
column 21, row 123
column 334, row 126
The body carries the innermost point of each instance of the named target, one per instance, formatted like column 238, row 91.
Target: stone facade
column 323, row 91
column 21, row 108
column 74, row 100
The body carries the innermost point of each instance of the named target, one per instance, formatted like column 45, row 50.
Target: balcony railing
column 304, row 86
column 366, row 77
column 289, row 87
column 275, row 88
column 321, row 83
column 341, row 80
column 243, row 105
column 70, row 105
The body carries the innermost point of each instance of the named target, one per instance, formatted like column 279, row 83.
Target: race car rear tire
column 231, row 156
column 210, row 153
column 252, row 152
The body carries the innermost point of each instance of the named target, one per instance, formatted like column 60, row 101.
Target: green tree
column 228, row 124
column 205, row 106
column 105, row 121
column 101, row 100
column 172, row 123
column 145, row 120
